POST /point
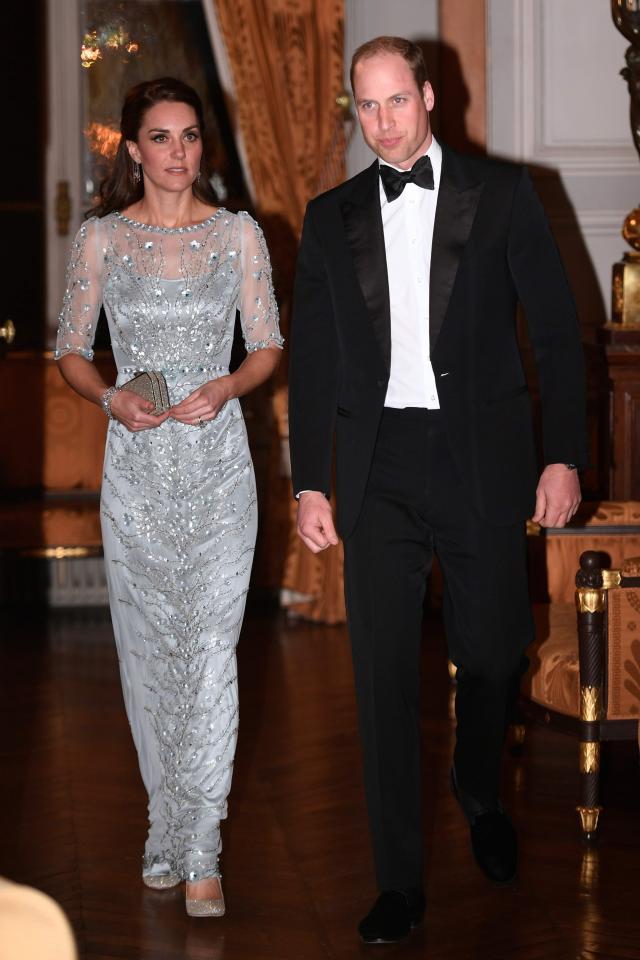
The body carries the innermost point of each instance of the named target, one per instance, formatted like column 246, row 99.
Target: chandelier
column 113, row 38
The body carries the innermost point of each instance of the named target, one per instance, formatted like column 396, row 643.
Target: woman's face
column 169, row 146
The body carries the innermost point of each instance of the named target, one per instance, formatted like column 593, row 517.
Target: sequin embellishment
column 178, row 505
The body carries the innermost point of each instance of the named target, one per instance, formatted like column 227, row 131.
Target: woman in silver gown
column 178, row 502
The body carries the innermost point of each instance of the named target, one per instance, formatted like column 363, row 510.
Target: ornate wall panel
column 556, row 100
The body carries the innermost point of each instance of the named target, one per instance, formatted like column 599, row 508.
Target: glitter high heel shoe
column 208, row 907
column 161, row 881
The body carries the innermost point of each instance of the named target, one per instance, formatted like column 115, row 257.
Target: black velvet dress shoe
column 392, row 916
column 494, row 841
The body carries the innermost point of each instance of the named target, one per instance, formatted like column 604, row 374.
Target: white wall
column 555, row 99
column 365, row 19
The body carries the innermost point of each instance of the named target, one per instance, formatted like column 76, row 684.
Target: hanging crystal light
column 110, row 38
column 90, row 52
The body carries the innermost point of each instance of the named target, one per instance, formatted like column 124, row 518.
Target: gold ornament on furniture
column 590, row 703
column 589, row 757
column 589, row 818
column 590, row 599
column 611, row 578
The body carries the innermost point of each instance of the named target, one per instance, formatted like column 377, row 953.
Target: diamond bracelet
column 106, row 400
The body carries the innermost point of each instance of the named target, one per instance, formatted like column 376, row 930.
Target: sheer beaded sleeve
column 258, row 307
column 83, row 294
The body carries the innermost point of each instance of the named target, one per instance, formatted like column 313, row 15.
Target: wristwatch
column 571, row 466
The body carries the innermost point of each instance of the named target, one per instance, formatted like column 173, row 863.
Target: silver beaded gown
column 178, row 505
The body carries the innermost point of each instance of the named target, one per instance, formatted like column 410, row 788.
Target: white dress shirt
column 408, row 233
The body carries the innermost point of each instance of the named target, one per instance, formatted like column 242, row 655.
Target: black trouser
column 415, row 504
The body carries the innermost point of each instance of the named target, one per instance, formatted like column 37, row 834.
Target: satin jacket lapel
column 458, row 198
column 365, row 236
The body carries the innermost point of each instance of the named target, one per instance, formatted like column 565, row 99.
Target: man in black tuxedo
column 404, row 348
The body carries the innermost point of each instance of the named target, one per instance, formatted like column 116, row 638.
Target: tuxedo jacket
column 492, row 248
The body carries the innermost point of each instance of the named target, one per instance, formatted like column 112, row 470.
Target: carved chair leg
column 591, row 607
column 589, row 810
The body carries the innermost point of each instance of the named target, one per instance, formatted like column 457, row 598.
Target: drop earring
column 136, row 172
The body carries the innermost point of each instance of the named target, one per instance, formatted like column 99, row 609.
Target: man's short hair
column 410, row 52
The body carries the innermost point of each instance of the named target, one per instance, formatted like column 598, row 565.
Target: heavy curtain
column 286, row 60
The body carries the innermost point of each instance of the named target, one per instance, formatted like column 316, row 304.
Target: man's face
column 393, row 112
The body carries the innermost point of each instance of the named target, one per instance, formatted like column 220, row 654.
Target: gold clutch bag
column 150, row 385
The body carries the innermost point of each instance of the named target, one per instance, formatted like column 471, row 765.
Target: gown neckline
column 150, row 228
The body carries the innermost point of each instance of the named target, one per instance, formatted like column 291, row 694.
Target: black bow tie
column 394, row 181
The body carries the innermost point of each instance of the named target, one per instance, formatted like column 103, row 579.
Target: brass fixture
column 8, row 332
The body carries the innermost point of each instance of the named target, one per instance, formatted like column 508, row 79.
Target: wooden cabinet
column 622, row 351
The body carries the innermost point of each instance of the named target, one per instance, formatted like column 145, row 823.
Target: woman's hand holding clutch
column 134, row 412
column 203, row 404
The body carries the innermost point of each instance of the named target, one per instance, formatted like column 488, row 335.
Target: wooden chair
column 584, row 674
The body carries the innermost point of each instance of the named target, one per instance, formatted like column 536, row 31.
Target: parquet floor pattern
column 297, row 868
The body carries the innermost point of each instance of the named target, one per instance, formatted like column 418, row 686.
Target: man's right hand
column 315, row 521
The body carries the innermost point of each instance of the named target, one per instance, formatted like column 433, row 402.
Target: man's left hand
column 558, row 496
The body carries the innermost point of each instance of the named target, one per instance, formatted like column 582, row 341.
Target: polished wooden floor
column 297, row 867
